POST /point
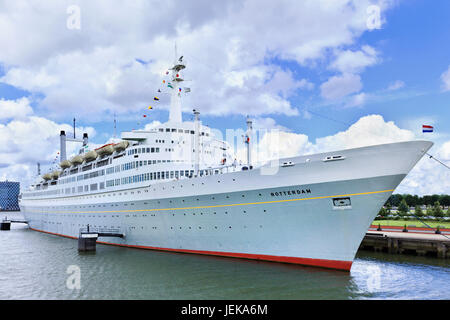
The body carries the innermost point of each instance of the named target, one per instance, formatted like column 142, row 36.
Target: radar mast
column 175, row 85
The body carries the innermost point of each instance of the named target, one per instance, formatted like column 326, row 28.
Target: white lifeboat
column 89, row 156
column 77, row 160
column 65, row 164
column 121, row 146
column 55, row 174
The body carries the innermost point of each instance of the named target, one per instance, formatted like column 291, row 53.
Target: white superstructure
column 177, row 188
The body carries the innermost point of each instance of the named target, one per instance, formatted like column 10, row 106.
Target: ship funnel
column 85, row 139
column 62, row 145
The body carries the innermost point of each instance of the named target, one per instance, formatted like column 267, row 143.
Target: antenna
column 175, row 114
column 114, row 125
column 74, row 128
column 176, row 55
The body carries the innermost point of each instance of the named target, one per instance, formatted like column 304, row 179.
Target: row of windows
column 90, row 175
column 160, row 175
column 137, row 164
column 150, row 176
column 142, row 150
column 181, row 131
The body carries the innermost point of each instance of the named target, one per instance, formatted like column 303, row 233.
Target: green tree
column 388, row 208
column 430, row 212
column 437, row 210
column 411, row 200
column 418, row 211
column 383, row 213
column 427, row 200
column 445, row 200
column 448, row 212
column 403, row 209
column 396, row 199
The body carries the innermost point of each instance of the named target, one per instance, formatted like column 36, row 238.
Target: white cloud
column 15, row 109
column 26, row 140
column 427, row 177
column 396, row 85
column 338, row 87
column 348, row 61
column 229, row 49
column 152, row 125
column 357, row 100
column 445, row 77
column 368, row 130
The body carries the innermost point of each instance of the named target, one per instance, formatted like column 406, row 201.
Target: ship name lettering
column 290, row 192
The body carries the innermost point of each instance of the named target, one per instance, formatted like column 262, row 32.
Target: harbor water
column 34, row 265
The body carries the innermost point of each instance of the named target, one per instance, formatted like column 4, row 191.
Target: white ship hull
column 293, row 215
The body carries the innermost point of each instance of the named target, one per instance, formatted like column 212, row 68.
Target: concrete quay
column 437, row 245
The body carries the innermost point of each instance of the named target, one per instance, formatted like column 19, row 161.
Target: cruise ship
column 178, row 188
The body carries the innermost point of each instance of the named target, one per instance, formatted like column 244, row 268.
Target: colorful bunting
column 156, row 98
column 150, row 107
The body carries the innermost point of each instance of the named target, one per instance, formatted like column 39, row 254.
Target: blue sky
column 315, row 69
column 415, row 49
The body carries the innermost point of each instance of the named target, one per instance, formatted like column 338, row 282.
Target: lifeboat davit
column 65, row 164
column 107, row 149
column 89, row 156
column 77, row 160
column 121, row 146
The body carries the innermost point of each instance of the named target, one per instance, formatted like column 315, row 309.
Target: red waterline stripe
column 430, row 232
column 330, row 264
column 409, row 228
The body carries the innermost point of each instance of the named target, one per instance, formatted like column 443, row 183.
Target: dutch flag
column 426, row 128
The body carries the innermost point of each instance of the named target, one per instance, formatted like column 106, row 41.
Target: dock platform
column 398, row 242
